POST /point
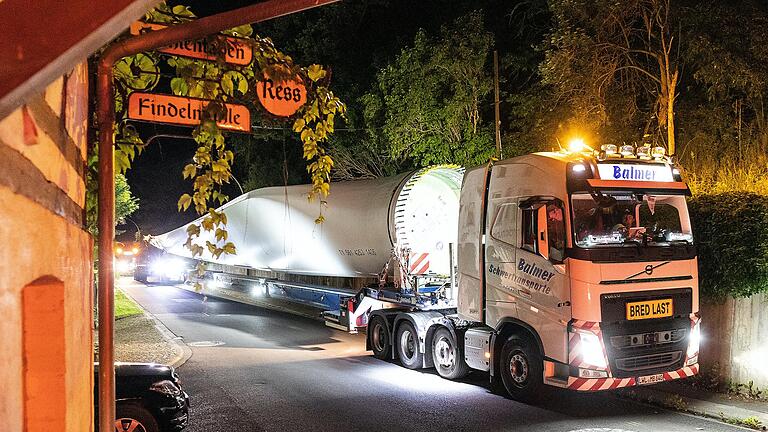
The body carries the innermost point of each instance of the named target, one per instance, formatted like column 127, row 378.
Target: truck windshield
column 630, row 219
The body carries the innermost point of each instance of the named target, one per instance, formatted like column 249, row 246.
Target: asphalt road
column 271, row 371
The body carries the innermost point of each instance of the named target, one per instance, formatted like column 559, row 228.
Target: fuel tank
column 365, row 221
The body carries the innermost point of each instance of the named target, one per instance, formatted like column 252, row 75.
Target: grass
column 124, row 306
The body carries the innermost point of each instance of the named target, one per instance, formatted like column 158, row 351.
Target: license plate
column 649, row 309
column 650, row 379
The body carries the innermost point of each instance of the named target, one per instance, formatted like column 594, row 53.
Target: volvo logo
column 649, row 269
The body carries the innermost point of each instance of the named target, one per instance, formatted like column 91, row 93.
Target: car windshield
column 630, row 219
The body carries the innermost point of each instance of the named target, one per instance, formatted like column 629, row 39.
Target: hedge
column 731, row 235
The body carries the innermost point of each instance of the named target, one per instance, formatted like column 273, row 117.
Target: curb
column 183, row 352
column 729, row 414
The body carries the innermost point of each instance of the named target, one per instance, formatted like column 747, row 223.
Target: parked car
column 149, row 398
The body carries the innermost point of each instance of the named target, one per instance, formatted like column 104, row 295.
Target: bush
column 731, row 234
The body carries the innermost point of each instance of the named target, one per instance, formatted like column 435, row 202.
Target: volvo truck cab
column 578, row 270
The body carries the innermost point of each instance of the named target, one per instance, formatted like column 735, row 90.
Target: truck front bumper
column 598, row 384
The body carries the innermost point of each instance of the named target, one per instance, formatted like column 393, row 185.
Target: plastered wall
column 43, row 247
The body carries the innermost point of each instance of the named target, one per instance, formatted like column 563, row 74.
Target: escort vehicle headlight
column 658, row 152
column 592, row 350
column 627, row 150
column 579, row 168
column 165, row 387
column 694, row 340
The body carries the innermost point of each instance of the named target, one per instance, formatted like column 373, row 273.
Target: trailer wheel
column 379, row 338
column 447, row 356
column 521, row 369
column 407, row 342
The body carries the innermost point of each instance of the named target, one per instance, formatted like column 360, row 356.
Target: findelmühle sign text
column 184, row 111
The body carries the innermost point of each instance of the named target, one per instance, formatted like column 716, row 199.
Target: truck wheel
column 521, row 369
column 408, row 346
column 447, row 356
column 379, row 337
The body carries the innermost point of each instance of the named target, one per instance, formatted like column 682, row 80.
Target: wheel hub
column 378, row 337
column 445, row 354
column 129, row 425
column 408, row 344
column 518, row 368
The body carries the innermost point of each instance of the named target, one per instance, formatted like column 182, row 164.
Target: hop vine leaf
column 316, row 72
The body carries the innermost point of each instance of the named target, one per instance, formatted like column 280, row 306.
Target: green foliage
column 752, row 422
column 221, row 83
column 731, row 234
column 726, row 58
column 429, row 101
column 125, row 202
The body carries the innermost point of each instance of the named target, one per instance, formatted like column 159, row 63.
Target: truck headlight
column 166, row 387
column 592, row 350
column 694, row 340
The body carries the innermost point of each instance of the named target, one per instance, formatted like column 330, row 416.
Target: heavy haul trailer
column 574, row 269
column 393, row 233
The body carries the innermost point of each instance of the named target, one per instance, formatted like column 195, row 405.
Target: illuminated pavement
column 277, row 372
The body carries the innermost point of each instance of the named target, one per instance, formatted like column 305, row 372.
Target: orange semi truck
column 573, row 269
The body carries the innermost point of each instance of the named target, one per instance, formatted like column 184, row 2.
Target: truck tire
column 407, row 343
column 521, row 369
column 379, row 338
column 448, row 355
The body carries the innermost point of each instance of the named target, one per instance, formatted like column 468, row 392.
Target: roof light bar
column 644, row 152
column 627, row 150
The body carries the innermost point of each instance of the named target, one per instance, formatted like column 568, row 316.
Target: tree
column 429, row 103
column 726, row 56
column 125, row 202
column 615, row 64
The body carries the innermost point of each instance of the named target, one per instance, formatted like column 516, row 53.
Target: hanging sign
column 236, row 50
column 282, row 99
column 184, row 111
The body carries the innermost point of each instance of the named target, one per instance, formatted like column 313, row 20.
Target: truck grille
column 649, row 339
column 660, row 360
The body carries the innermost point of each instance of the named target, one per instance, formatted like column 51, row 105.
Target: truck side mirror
column 541, row 227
